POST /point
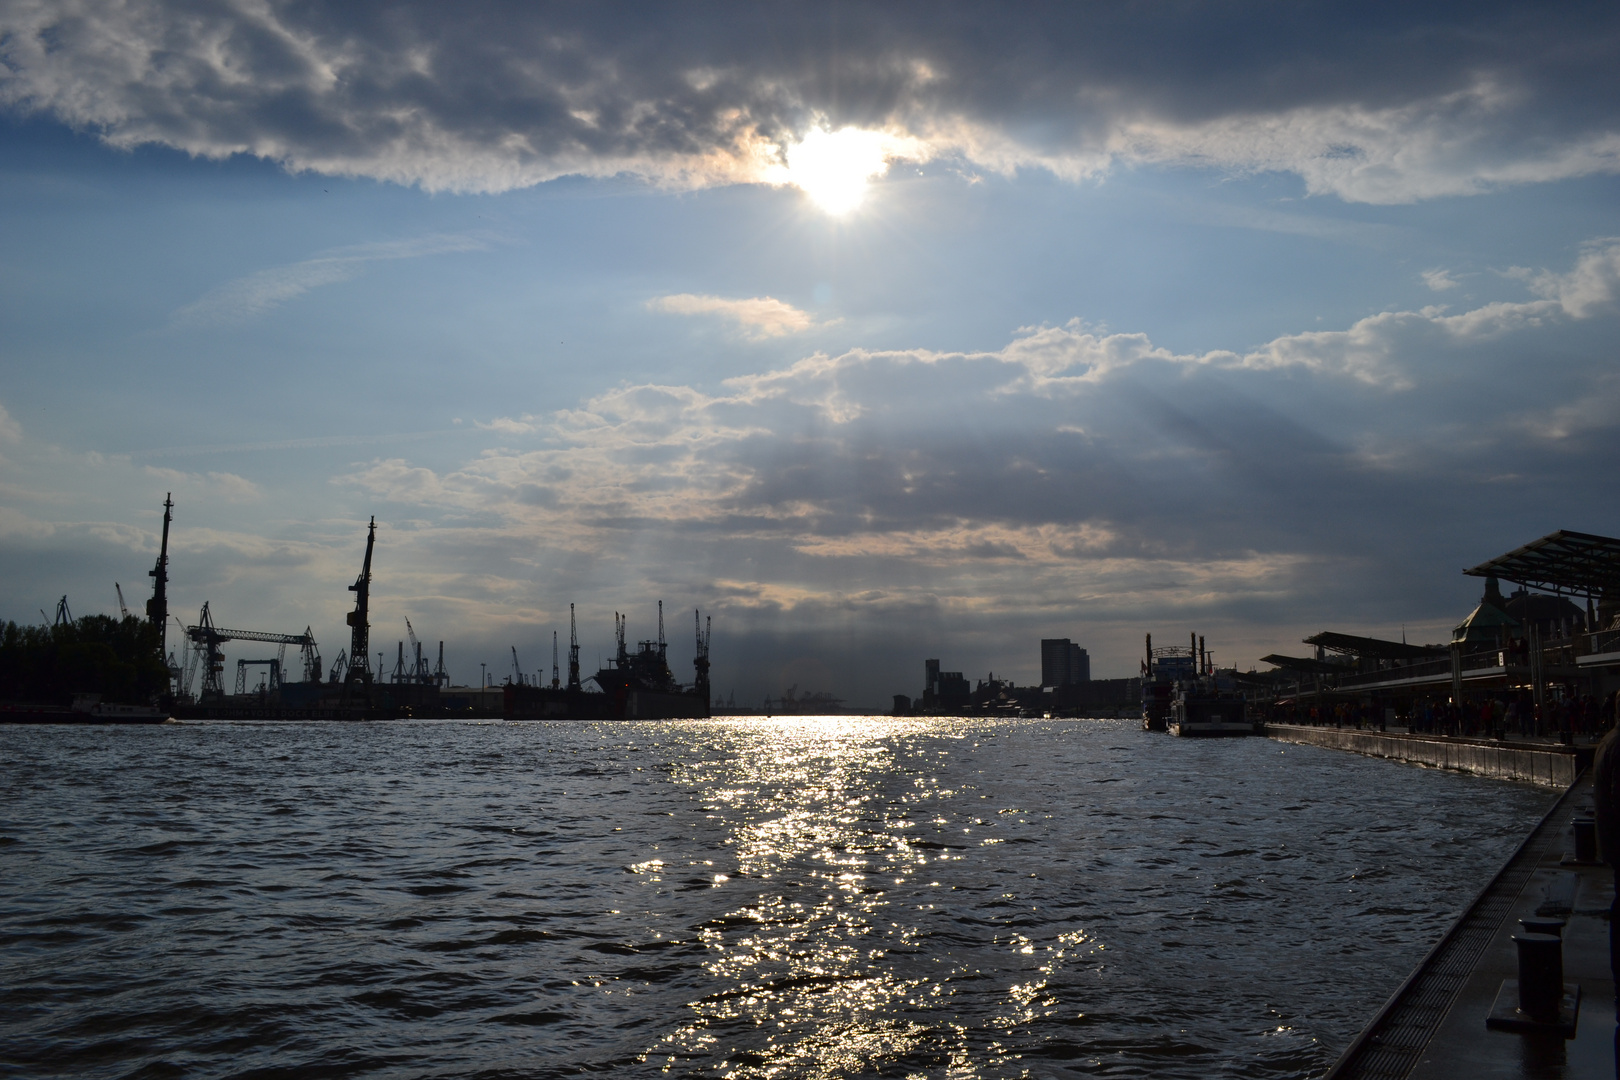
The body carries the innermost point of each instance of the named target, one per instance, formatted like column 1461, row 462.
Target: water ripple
column 797, row 898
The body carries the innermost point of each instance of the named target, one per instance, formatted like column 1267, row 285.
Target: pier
column 1549, row 764
column 1434, row 1026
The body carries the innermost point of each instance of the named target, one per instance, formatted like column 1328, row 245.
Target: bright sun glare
column 834, row 167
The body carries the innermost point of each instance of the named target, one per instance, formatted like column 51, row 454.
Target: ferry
column 1206, row 707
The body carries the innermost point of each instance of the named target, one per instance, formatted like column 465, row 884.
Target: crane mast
column 359, row 636
column 573, row 651
column 700, row 658
column 157, row 608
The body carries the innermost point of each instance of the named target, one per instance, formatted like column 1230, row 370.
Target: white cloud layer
column 1384, row 107
column 259, row 293
column 759, row 317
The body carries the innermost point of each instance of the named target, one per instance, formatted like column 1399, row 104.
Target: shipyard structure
column 101, row 670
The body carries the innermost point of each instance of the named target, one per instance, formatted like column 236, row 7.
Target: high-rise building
column 1079, row 665
column 1063, row 663
column 1055, row 661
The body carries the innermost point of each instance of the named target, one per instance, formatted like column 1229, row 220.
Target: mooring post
column 1585, row 839
column 1541, row 975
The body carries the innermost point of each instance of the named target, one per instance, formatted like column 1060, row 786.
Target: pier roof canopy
column 1301, row 663
column 1371, row 646
column 1564, row 561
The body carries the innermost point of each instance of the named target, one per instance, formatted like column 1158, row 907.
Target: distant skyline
column 878, row 333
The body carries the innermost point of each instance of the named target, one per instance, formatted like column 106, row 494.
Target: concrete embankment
column 1434, row 1026
column 1547, row 764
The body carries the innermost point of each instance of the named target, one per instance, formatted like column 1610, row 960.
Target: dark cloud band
column 1380, row 103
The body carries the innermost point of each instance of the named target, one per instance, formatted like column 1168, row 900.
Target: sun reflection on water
column 840, row 958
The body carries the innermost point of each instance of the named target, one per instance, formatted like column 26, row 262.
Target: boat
column 86, row 709
column 1208, row 706
column 1185, row 694
column 1162, row 669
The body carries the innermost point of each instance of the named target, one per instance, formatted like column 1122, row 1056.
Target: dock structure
column 1548, row 764
column 1434, row 1026
column 1542, row 660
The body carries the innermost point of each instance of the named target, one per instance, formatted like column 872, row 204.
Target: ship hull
column 1205, row 716
column 48, row 715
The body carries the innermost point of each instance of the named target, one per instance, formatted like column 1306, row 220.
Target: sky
column 875, row 332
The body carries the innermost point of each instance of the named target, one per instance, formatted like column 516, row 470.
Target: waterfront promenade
column 1433, row 1027
column 1549, row 764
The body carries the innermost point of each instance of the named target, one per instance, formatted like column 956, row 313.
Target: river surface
column 732, row 898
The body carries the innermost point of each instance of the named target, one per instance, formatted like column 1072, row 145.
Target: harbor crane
column 700, row 659
column 271, row 684
column 556, row 677
column 517, row 672
column 419, row 664
column 157, row 608
column 206, row 639
column 123, row 609
column 663, row 647
column 360, row 629
column 573, row 651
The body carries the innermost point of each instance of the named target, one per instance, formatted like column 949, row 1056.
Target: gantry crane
column 206, row 639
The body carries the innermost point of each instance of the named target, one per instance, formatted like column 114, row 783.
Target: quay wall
column 1548, row 766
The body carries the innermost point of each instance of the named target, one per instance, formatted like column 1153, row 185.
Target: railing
column 1604, row 641
column 1440, row 667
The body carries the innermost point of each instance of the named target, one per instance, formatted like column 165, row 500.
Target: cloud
column 1440, row 280
column 1592, row 286
column 1389, row 106
column 1069, row 467
column 228, row 487
column 10, row 430
column 760, row 317
column 258, row 293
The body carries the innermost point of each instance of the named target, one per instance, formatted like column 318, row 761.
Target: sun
column 835, row 167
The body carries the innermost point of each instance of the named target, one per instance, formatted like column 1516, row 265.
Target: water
column 746, row 898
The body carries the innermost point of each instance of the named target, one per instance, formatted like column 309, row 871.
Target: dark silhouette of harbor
column 104, row 670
